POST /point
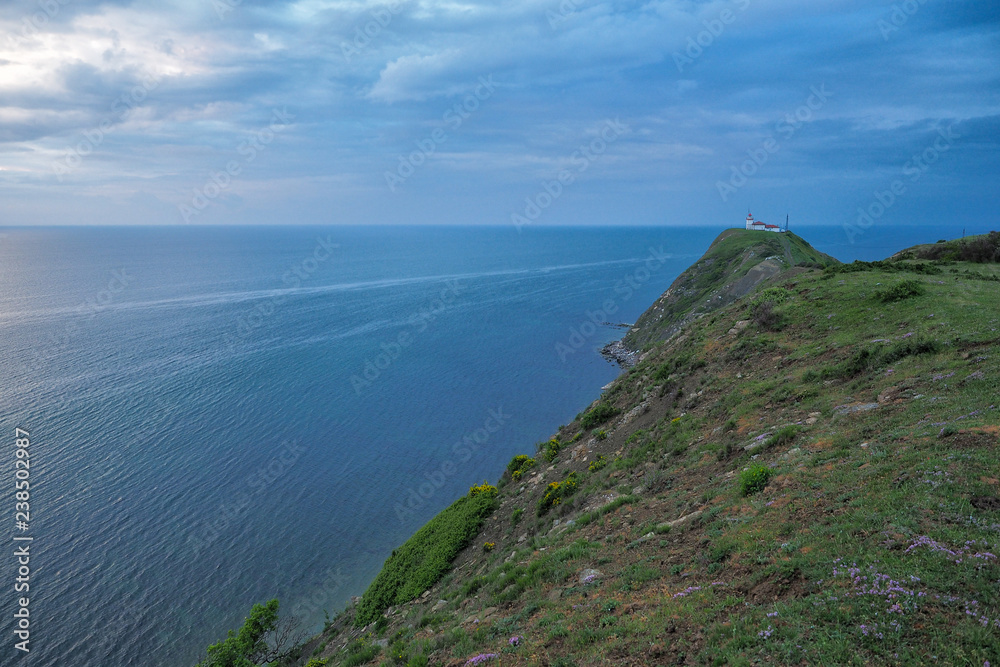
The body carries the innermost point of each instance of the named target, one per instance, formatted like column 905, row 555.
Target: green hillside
column 735, row 263
column 810, row 475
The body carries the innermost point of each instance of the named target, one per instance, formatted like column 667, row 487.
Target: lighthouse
column 759, row 225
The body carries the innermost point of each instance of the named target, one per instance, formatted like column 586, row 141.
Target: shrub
column 489, row 546
column 485, row 489
column 782, row 436
column 424, row 558
column 258, row 641
column 900, row 291
column 773, row 295
column 597, row 415
column 551, row 449
column 870, row 358
column 597, row 464
column 656, row 481
column 754, row 479
column 766, row 316
column 600, row 435
column 518, row 465
column 556, row 492
column 515, row 516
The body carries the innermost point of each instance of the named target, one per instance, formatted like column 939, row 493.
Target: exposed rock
column 739, row 326
column 895, row 395
column 854, row 407
column 589, row 575
column 616, row 352
column 634, row 412
column 683, row 519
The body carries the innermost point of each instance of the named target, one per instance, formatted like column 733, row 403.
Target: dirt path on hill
column 788, row 250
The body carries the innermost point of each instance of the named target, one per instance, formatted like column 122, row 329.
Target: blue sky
column 469, row 112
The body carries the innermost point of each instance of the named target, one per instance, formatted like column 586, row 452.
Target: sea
column 211, row 417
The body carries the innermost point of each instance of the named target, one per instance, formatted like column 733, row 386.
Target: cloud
column 561, row 66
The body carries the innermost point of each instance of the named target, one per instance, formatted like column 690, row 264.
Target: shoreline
column 616, row 352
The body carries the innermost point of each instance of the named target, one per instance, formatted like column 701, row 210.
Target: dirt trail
column 788, row 250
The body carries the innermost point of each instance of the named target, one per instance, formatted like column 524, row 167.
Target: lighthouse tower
column 749, row 220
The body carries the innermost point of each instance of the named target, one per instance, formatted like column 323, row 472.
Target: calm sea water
column 220, row 416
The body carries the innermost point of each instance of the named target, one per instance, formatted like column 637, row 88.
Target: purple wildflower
column 687, row 591
column 480, row 659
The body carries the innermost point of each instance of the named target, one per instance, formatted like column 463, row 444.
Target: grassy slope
column 720, row 277
column 872, row 543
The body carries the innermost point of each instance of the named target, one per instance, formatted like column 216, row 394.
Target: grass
column 421, row 561
column 597, row 415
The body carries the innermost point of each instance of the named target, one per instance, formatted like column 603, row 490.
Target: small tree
column 262, row 640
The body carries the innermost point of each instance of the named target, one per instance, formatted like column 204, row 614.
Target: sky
column 524, row 112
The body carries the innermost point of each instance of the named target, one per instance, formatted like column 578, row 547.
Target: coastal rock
column 616, row 352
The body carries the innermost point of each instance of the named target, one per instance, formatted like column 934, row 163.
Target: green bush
column 424, row 558
column 754, row 479
column 597, row 464
column 871, row 358
column 249, row 646
column 600, row 434
column 900, row 291
column 774, row 295
column 515, row 516
column 551, row 449
column 556, row 493
column 782, row 436
column 597, row 415
column 518, row 465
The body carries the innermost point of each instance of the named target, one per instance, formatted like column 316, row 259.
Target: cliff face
column 808, row 476
column 734, row 265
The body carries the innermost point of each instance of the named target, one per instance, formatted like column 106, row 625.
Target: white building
column 757, row 225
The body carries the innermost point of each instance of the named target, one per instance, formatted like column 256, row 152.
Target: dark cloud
column 701, row 83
